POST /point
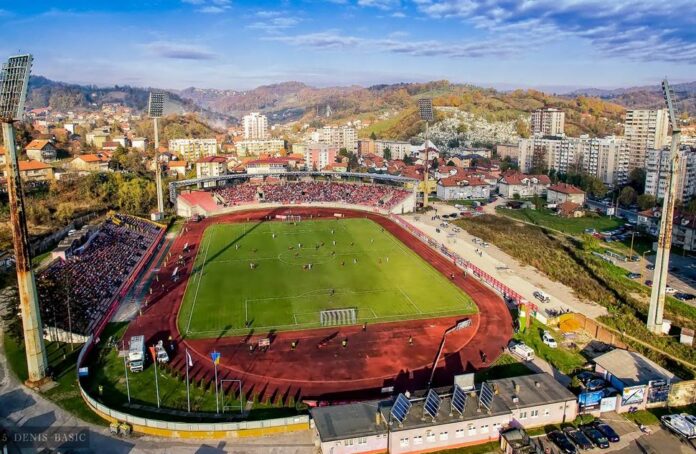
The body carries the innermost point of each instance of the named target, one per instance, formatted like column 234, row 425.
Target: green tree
column 627, row 196
column 387, row 154
column 65, row 212
column 434, row 163
column 408, row 160
column 373, row 136
column 594, row 186
column 636, row 179
column 646, row 201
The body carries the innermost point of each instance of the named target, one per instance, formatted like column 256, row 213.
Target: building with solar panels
column 443, row 419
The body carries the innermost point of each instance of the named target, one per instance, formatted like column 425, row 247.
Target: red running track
column 378, row 357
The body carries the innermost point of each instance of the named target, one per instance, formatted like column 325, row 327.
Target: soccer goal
column 335, row 317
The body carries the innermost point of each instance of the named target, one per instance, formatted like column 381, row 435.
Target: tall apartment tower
column 644, row 129
column 255, row 126
column 548, row 122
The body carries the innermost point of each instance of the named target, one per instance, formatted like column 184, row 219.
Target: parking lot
column 633, row 441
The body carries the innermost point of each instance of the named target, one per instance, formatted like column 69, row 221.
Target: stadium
column 309, row 286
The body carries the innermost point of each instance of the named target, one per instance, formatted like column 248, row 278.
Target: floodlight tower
column 155, row 110
column 664, row 241
column 13, row 91
column 425, row 110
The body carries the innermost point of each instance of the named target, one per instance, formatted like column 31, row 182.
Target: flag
column 153, row 353
column 215, row 356
column 189, row 360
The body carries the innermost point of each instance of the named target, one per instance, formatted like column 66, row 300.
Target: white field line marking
column 200, row 278
column 408, row 298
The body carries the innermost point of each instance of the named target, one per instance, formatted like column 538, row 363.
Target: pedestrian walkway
column 522, row 278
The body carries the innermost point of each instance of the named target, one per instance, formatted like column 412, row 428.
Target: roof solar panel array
column 401, row 407
column 459, row 397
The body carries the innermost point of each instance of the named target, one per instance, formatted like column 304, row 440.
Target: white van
column 521, row 350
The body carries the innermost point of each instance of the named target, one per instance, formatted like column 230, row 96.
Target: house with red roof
column 570, row 210
column 41, row 150
column 34, row 171
column 564, row 192
column 462, row 187
column 524, row 185
column 94, row 162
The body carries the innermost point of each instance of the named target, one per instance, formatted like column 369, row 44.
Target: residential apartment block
column 644, row 129
column 211, row 166
column 337, row 136
column 258, row 147
column 320, row 155
column 605, row 158
column 398, row 150
column 548, row 122
column 193, row 149
column 255, row 126
column 657, row 168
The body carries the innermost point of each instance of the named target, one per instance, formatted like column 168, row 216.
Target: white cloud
column 637, row 29
column 178, row 50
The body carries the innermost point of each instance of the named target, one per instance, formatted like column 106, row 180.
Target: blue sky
column 242, row 44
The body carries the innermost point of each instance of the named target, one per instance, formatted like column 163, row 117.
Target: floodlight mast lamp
column 13, row 91
column 425, row 110
column 155, row 111
column 664, row 240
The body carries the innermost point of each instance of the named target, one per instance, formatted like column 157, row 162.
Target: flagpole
column 217, row 401
column 157, row 384
column 125, row 367
column 188, row 395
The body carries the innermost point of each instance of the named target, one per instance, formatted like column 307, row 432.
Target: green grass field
column 367, row 269
column 572, row 226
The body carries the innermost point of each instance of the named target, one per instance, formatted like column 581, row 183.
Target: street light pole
column 13, row 92
column 425, row 110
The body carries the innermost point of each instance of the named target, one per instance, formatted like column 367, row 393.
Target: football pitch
column 282, row 275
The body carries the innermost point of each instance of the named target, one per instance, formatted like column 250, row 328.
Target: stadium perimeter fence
column 460, row 261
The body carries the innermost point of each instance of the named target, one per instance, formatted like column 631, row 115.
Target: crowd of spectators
column 239, row 194
column 371, row 195
column 76, row 292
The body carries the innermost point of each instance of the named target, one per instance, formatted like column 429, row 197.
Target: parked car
column 684, row 296
column 577, row 437
column 561, row 440
column 670, row 290
column 597, row 437
column 648, row 283
column 590, row 231
column 541, row 296
column 607, row 430
column 633, row 275
column 548, row 339
column 650, row 266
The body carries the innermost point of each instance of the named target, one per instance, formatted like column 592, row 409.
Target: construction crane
column 664, row 241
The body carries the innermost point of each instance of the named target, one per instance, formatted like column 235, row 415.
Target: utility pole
column 13, row 92
column 425, row 109
column 664, row 241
